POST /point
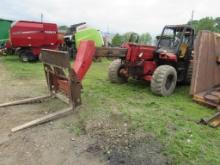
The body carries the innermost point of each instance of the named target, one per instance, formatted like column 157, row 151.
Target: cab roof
column 179, row 27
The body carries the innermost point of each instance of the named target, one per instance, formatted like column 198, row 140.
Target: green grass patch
column 173, row 120
column 23, row 70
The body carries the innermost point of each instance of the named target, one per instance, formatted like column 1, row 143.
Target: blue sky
column 113, row 15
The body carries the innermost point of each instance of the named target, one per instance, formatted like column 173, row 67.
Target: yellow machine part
column 183, row 49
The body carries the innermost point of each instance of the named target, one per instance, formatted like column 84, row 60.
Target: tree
column 145, row 38
column 217, row 21
column 63, row 28
column 207, row 23
column 117, row 40
column 130, row 37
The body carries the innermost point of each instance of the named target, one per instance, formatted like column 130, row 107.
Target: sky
column 111, row 15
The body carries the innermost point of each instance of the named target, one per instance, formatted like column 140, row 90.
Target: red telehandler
column 163, row 65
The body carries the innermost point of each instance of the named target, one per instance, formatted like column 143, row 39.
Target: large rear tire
column 114, row 72
column 164, row 80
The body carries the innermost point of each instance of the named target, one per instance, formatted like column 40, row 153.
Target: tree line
column 144, row 38
column 207, row 23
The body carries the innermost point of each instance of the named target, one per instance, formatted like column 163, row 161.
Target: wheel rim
column 169, row 81
column 121, row 72
column 25, row 59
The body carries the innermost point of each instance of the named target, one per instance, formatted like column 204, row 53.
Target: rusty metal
column 110, row 52
column 61, row 78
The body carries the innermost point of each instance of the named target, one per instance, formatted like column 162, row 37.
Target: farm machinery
column 28, row 38
column 163, row 65
column 4, row 33
column 79, row 32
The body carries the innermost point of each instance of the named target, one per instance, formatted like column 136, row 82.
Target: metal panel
column 4, row 30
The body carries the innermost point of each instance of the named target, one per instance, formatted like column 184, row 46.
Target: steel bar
column 25, row 101
column 43, row 119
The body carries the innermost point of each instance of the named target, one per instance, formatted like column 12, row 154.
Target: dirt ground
column 54, row 144
column 45, row 144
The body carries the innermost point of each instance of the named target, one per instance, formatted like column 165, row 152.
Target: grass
column 23, row 70
column 172, row 120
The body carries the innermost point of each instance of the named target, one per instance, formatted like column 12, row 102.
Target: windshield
column 170, row 39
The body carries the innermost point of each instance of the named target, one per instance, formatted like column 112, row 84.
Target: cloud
column 113, row 15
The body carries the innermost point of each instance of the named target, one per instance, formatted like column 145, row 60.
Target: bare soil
column 104, row 141
column 122, row 145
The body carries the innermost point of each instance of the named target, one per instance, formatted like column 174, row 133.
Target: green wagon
column 4, row 31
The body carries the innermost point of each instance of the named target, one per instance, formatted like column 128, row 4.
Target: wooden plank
column 25, row 101
column 200, row 99
column 213, row 121
column 209, row 68
column 43, row 119
column 195, row 63
column 216, row 93
column 201, row 80
column 217, row 42
column 216, row 53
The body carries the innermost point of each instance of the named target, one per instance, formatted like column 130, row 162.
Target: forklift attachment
column 62, row 83
column 64, row 80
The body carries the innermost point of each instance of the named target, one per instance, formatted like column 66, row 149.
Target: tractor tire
column 113, row 72
column 27, row 56
column 164, row 80
column 189, row 74
column 23, row 57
